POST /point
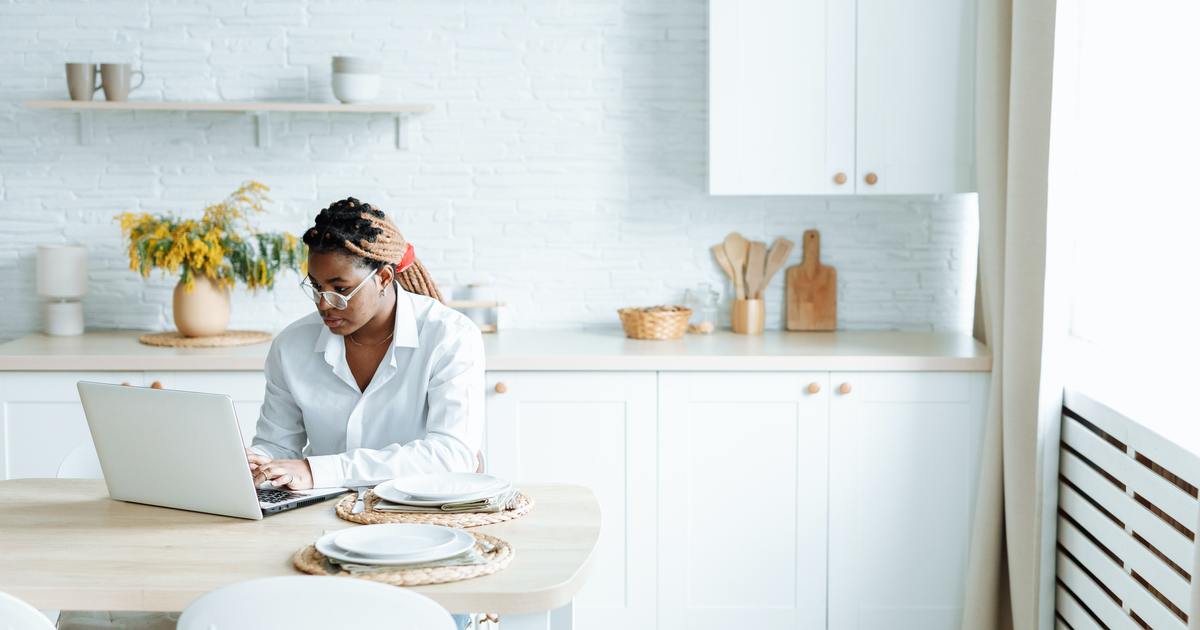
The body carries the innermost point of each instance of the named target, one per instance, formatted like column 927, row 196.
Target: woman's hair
column 364, row 233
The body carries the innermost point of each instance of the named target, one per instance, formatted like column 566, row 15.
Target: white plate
column 449, row 486
column 388, row 492
column 394, row 539
column 329, row 548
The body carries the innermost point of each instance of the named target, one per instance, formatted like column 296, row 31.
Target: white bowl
column 355, row 88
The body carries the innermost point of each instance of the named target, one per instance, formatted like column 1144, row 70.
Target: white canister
column 484, row 317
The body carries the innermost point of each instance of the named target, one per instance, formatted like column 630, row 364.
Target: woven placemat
column 223, row 340
column 311, row 561
column 370, row 516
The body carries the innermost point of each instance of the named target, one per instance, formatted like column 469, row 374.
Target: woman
column 383, row 380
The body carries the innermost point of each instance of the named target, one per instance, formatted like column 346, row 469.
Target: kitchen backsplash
column 564, row 163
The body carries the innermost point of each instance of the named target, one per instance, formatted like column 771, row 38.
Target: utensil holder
column 749, row 316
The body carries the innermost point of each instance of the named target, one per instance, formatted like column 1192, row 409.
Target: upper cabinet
column 828, row 97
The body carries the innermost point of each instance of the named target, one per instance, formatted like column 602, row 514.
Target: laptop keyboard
column 276, row 496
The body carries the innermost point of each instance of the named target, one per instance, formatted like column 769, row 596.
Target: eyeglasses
column 335, row 299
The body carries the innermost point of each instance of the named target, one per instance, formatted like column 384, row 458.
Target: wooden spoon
column 756, row 262
column 723, row 260
column 781, row 249
column 736, row 248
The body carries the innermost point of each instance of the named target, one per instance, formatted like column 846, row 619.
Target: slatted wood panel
column 1128, row 515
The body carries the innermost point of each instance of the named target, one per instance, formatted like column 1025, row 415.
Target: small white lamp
column 62, row 280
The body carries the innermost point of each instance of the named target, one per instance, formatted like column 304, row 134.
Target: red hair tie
column 410, row 255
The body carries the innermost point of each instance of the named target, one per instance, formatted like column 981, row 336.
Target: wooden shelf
column 259, row 109
column 234, row 106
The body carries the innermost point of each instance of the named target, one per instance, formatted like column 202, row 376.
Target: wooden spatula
column 777, row 257
column 736, row 248
column 756, row 266
column 723, row 260
column 811, row 290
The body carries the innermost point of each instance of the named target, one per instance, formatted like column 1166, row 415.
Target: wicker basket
column 655, row 322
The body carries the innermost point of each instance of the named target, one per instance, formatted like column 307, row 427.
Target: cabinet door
column 904, row 458
column 742, row 521
column 595, row 429
column 916, row 95
column 781, row 97
column 42, row 421
column 245, row 388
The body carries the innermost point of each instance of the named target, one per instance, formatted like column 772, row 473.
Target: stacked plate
column 396, row 544
column 445, row 492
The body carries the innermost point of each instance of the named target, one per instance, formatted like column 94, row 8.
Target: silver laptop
column 180, row 450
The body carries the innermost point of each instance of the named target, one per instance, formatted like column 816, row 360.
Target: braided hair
column 364, row 232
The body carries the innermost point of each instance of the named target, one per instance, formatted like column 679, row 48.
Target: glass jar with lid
column 703, row 301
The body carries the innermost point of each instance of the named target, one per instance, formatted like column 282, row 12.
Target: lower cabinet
column 743, row 464
column 42, row 421
column 904, row 453
column 596, row 429
column 839, row 500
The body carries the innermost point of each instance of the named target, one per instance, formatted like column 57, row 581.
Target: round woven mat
column 223, row 340
column 461, row 519
column 311, row 561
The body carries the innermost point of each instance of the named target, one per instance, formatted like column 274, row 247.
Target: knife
column 361, row 486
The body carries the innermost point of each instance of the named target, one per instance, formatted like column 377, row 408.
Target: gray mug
column 115, row 78
column 81, row 81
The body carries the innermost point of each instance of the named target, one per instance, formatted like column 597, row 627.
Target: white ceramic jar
column 355, row 79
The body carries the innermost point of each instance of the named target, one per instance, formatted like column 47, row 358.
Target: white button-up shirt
column 421, row 412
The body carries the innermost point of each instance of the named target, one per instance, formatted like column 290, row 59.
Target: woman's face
column 341, row 273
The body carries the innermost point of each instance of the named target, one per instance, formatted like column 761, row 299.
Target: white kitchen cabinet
column 42, row 421
column 841, row 97
column 916, row 96
column 742, row 461
column 904, row 452
column 781, row 97
column 245, row 388
column 596, row 429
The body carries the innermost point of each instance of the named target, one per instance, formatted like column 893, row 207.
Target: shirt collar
column 404, row 332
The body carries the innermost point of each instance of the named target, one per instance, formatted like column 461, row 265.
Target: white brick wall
column 564, row 164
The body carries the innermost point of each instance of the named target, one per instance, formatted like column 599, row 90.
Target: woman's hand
column 256, row 462
column 293, row 474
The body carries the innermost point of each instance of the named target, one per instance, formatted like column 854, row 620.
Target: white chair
column 17, row 615
column 313, row 603
column 81, row 463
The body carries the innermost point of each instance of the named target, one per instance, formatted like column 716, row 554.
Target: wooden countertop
column 66, row 545
column 554, row 350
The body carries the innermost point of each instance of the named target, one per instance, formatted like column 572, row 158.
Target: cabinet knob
column 871, row 179
column 156, row 385
column 501, row 388
column 813, row 388
column 839, row 179
column 844, row 388
column 125, row 383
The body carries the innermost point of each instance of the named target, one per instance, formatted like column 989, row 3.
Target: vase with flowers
column 211, row 254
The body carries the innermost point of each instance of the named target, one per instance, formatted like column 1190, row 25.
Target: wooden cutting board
column 811, row 289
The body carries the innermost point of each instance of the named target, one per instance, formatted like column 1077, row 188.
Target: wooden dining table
column 65, row 545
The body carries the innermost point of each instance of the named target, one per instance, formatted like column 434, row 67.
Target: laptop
column 179, row 450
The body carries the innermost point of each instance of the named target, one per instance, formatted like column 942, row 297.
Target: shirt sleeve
column 280, row 430
column 454, row 429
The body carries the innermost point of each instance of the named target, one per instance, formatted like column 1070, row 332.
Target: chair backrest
column 81, row 463
column 17, row 615
column 313, row 603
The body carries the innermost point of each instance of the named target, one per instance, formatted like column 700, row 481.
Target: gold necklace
column 377, row 343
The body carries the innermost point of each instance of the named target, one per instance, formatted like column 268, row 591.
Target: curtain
column 1010, row 564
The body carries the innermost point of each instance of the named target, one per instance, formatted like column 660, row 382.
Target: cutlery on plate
column 361, row 486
